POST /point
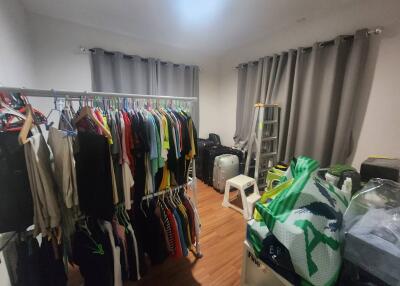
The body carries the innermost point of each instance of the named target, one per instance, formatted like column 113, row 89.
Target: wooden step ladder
column 262, row 146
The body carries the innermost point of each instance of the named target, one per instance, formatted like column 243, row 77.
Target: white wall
column 15, row 63
column 379, row 132
column 59, row 64
column 15, row 56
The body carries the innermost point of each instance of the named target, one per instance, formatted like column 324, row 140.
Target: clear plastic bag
column 372, row 230
column 375, row 209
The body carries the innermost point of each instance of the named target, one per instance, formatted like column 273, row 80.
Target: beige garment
column 64, row 166
column 127, row 182
column 114, row 183
column 45, row 205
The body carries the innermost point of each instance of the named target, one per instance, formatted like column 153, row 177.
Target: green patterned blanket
column 307, row 217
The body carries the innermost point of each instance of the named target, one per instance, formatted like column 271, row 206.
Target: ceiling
column 208, row 26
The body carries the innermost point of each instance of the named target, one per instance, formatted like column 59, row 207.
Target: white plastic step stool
column 241, row 183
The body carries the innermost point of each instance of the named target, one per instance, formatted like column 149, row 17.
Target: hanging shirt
column 181, row 234
column 16, row 213
column 103, row 121
column 64, row 166
column 152, row 143
column 159, row 136
column 168, row 228
column 93, row 175
column 193, row 139
column 149, row 184
column 124, row 254
column 115, row 133
column 135, row 247
column 191, row 218
column 116, row 150
column 127, row 179
column 128, row 139
column 175, row 232
column 175, row 136
column 116, row 252
column 160, row 127
column 93, row 254
column 165, row 138
column 157, row 212
column 197, row 223
column 166, row 179
column 128, row 183
column 46, row 209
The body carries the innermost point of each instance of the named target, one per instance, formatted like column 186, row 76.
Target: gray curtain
column 321, row 92
column 116, row 72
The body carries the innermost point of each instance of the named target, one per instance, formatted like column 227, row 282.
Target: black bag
column 209, row 156
column 201, row 145
column 214, row 138
column 275, row 255
column 380, row 168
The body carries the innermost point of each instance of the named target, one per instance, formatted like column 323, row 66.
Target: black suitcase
column 209, row 156
column 201, row 145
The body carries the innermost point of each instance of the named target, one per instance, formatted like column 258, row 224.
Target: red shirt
column 174, row 226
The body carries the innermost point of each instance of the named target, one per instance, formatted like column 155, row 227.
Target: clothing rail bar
column 78, row 94
column 150, row 196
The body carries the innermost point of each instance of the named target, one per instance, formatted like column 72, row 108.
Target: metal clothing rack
column 91, row 94
column 52, row 93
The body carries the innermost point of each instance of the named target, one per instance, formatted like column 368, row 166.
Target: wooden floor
column 221, row 240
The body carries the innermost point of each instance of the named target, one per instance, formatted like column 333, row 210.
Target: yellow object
column 381, row 157
column 166, row 179
column 165, row 140
column 264, row 105
column 270, row 194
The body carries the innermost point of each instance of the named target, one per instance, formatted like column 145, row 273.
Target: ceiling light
column 199, row 12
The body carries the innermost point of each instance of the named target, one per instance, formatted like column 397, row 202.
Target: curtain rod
column 376, row 31
column 85, row 50
column 78, row 94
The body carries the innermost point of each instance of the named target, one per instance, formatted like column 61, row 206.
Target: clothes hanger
column 10, row 111
column 171, row 198
column 86, row 111
column 127, row 218
column 141, row 207
column 120, row 216
column 27, row 126
column 177, row 198
column 124, row 215
column 48, row 125
column 163, row 201
column 5, row 109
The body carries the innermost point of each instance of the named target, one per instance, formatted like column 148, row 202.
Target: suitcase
column 201, row 145
column 225, row 167
column 209, row 156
